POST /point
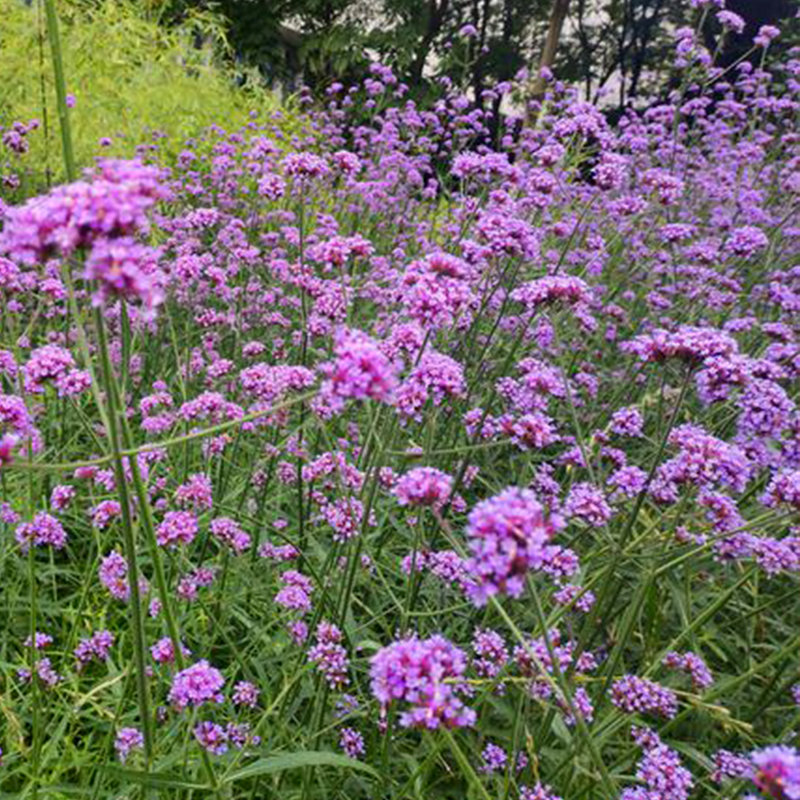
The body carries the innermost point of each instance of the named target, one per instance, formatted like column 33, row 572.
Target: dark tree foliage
column 618, row 49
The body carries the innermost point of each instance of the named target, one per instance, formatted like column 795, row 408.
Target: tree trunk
column 435, row 17
column 557, row 16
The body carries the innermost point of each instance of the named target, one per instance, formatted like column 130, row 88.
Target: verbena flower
column 178, row 527
column 330, row 656
column 43, row 531
column 127, row 741
column 776, row 772
column 422, row 673
column 196, row 685
column 351, row 742
column 507, row 537
column 632, row 694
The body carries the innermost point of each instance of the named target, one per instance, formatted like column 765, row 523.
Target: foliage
column 380, row 462
column 135, row 81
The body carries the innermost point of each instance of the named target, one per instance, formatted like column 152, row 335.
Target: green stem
column 36, row 748
column 146, row 448
column 129, row 539
column 61, row 89
column 466, row 765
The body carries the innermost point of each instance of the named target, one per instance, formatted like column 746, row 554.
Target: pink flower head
column 124, row 268
column 687, row 343
column 360, row 371
column 47, row 363
column 564, row 288
column 44, row 530
column 423, row 486
column 128, row 740
column 201, row 683
column 229, row 532
column 777, row 772
column 178, row 527
column 305, row 165
column 113, row 572
column 507, row 536
column 641, row 695
column 423, row 673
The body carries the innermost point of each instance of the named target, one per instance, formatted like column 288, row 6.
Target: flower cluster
column 423, row 673
column 196, row 685
column 507, row 535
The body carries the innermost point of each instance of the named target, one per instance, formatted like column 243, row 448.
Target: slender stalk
column 61, row 89
column 137, row 622
column 36, row 748
column 146, row 448
column 466, row 765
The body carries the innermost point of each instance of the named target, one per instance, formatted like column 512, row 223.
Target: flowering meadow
column 424, row 454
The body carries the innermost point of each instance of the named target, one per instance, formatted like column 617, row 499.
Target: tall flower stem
column 36, row 738
column 61, row 89
column 137, row 622
column 111, row 416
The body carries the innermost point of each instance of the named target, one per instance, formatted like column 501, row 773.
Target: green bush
column 130, row 76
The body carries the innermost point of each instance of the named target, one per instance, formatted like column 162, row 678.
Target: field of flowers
column 386, row 462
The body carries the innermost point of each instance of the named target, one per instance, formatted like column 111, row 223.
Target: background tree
column 616, row 49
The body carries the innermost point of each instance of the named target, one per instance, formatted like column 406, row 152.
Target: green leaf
column 309, row 758
column 161, row 780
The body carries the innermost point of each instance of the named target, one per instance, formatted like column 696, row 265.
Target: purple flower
column 632, row 694
column 44, row 672
column 562, row 288
column 121, row 267
column 351, row 742
column 163, row 651
column 245, row 694
column 571, row 595
column 197, row 492
column 507, row 536
column 586, row 502
column 296, row 592
column 113, row 572
column 104, row 513
column 201, row 683
column 111, row 203
column 730, row 765
column 229, row 532
column 128, row 740
column 423, row 486
column 776, row 772
column 744, row 242
column 694, row 665
column 40, row 640
column 730, row 19
column 330, row 655
column 47, row 363
column 627, row 422
column 687, row 343
column 660, row 770
column 178, row 527
column 305, row 165
column 437, row 376
column 766, row 33
column 494, row 758
column 45, row 530
column 61, row 497
column 212, row 737
column 423, row 673
column 97, row 646
column 538, row 792
column 627, row 481
column 491, row 653
column 345, row 517
column 361, row 371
